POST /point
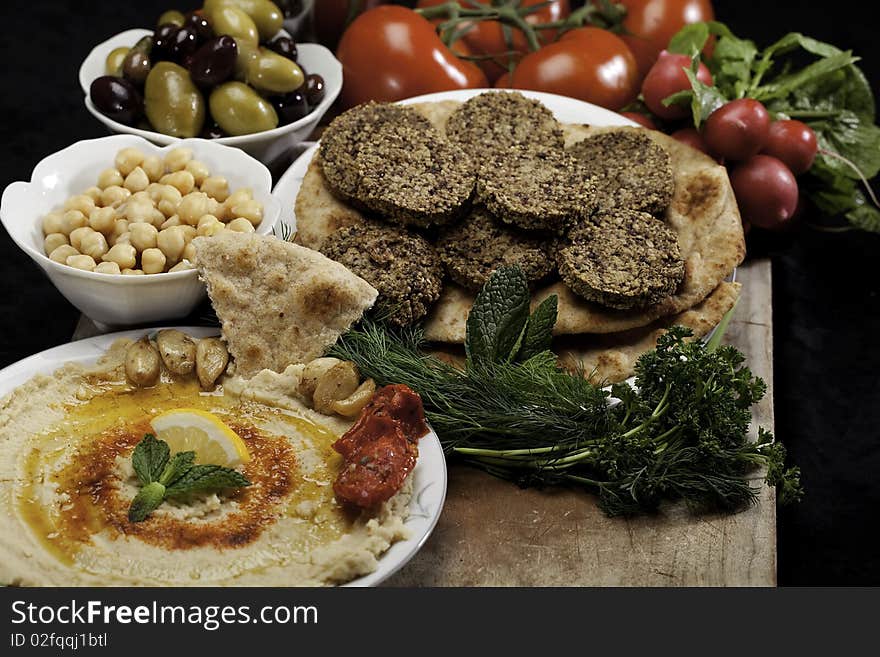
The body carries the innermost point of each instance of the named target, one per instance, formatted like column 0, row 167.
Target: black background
column 826, row 307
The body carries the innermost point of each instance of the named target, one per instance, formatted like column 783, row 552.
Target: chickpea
column 53, row 241
column 119, row 228
column 140, row 197
column 94, row 244
column 182, row 266
column 110, row 178
column 192, row 207
column 250, row 210
column 53, row 223
column 114, row 196
column 199, row 171
column 216, row 187
column 238, row 197
column 102, row 220
column 143, row 236
column 107, row 268
column 93, row 193
column 124, row 238
column 171, row 242
column 210, row 228
column 154, row 191
column 189, row 233
column 139, row 212
column 153, row 261
column 81, row 202
column 153, row 167
column 241, row 225
column 173, row 220
column 217, row 209
column 72, row 220
column 127, row 159
column 128, row 271
column 177, row 159
column 182, row 180
column 157, row 217
column 189, row 252
column 62, row 253
column 123, row 255
column 137, row 180
column 84, row 262
column 77, row 235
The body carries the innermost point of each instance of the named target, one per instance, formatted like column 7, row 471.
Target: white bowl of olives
column 220, row 75
column 111, row 220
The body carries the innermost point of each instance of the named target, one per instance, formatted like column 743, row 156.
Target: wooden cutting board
column 492, row 533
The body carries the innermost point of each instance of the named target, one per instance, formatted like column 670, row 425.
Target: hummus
column 66, row 482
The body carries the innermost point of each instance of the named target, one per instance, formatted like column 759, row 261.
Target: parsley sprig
column 163, row 475
column 681, row 433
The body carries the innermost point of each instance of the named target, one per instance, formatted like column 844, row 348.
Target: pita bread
column 278, row 303
column 611, row 357
column 703, row 213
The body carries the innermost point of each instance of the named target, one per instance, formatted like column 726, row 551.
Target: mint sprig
column 163, row 476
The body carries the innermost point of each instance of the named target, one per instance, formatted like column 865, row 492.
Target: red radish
column 737, row 130
column 667, row 77
column 642, row 119
column 766, row 191
column 794, row 143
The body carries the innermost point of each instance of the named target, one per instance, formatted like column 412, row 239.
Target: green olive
column 248, row 52
column 172, row 103
column 239, row 110
column 113, row 64
column 173, row 17
column 266, row 15
column 226, row 19
column 273, row 74
column 136, row 65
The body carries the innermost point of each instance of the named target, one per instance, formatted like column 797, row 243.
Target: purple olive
column 314, row 89
column 116, row 98
column 284, row 46
column 213, row 131
column 214, row 62
column 290, row 107
column 164, row 31
column 182, row 43
column 200, row 26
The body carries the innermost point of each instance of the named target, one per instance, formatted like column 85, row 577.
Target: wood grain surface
column 492, row 533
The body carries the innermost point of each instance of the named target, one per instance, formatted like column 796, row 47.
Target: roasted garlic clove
column 337, row 383
column 178, row 351
column 312, row 372
column 142, row 364
column 212, row 357
column 352, row 405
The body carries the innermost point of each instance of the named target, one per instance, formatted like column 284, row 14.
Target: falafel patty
column 471, row 250
column 631, row 170
column 347, row 133
column 401, row 265
column 414, row 176
column 536, row 189
column 496, row 120
column 623, row 260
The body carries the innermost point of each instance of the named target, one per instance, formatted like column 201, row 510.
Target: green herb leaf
column 496, row 322
column 178, row 466
column 149, row 458
column 539, row 331
column 786, row 84
column 146, row 501
column 689, row 40
column 201, row 478
column 705, row 99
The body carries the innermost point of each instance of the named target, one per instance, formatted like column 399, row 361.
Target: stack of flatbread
column 603, row 341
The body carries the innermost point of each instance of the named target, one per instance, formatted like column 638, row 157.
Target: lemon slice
column 191, row 429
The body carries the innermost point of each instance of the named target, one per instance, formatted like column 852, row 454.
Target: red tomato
column 738, row 129
column 642, row 119
column 794, row 143
column 330, row 18
column 766, row 191
column 390, row 53
column 693, row 138
column 650, row 24
column 666, row 77
column 588, row 63
column 487, row 37
column 503, row 82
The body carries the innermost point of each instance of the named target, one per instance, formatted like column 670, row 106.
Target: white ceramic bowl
column 268, row 146
column 116, row 299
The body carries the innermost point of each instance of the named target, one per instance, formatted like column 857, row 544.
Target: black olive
column 214, row 62
column 165, row 30
column 200, row 26
column 116, row 98
column 290, row 7
column 213, row 131
column 314, row 89
column 284, row 46
column 182, row 43
column 290, row 107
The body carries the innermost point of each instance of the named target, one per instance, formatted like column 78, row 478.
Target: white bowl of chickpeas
column 111, row 220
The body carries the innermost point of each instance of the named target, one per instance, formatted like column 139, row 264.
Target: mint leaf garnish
column 146, row 501
column 539, row 332
column 149, row 458
column 499, row 315
column 207, row 477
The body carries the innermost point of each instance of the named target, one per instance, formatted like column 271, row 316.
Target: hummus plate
column 428, row 477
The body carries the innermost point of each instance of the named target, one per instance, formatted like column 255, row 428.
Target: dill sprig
column 681, row 433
